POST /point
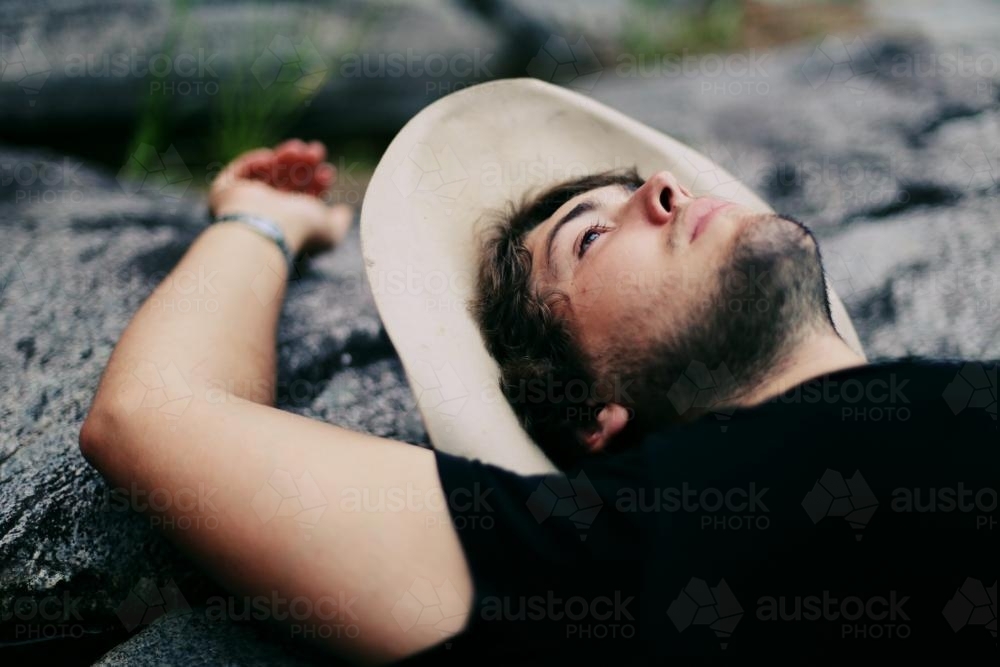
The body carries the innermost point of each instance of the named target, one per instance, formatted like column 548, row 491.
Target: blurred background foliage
column 706, row 26
column 262, row 94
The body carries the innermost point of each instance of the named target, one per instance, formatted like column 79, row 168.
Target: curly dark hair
column 522, row 331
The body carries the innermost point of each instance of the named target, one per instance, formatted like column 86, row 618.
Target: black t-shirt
column 853, row 517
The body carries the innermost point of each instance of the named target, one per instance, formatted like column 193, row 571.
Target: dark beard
column 772, row 292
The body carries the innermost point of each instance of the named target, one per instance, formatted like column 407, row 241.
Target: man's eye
column 589, row 237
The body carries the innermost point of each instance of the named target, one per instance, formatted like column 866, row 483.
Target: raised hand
column 285, row 184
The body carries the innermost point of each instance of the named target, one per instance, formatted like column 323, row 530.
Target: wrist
column 295, row 235
column 266, row 228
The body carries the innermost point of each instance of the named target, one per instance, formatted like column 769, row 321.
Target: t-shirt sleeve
column 548, row 554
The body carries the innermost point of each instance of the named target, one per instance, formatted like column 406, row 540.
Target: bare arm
column 215, row 316
column 184, row 409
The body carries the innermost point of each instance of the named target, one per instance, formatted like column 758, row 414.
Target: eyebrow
column 578, row 210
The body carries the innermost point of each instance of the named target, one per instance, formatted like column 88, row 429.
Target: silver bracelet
column 264, row 227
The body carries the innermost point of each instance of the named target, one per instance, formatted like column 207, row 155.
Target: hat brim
column 455, row 163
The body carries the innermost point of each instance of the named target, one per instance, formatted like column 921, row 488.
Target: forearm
column 170, row 419
column 213, row 318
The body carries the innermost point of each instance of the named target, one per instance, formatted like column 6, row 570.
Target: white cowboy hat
column 464, row 156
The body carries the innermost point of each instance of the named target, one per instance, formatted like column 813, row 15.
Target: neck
column 816, row 354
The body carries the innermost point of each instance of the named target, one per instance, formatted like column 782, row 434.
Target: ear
column 610, row 421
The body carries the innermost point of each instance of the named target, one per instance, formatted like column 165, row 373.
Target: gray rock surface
column 899, row 175
column 78, row 258
column 209, row 643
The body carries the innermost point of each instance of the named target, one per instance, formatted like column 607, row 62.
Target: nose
column 661, row 197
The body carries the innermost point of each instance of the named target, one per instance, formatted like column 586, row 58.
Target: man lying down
column 769, row 517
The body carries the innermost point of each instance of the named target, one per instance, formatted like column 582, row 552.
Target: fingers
column 296, row 151
column 246, row 165
column 317, row 150
column 291, row 166
column 323, row 177
column 299, row 167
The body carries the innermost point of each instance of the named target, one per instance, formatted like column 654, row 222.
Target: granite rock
column 897, row 173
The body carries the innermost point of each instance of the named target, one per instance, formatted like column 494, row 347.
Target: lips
column 700, row 213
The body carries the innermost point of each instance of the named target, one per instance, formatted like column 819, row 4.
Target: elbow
column 95, row 435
